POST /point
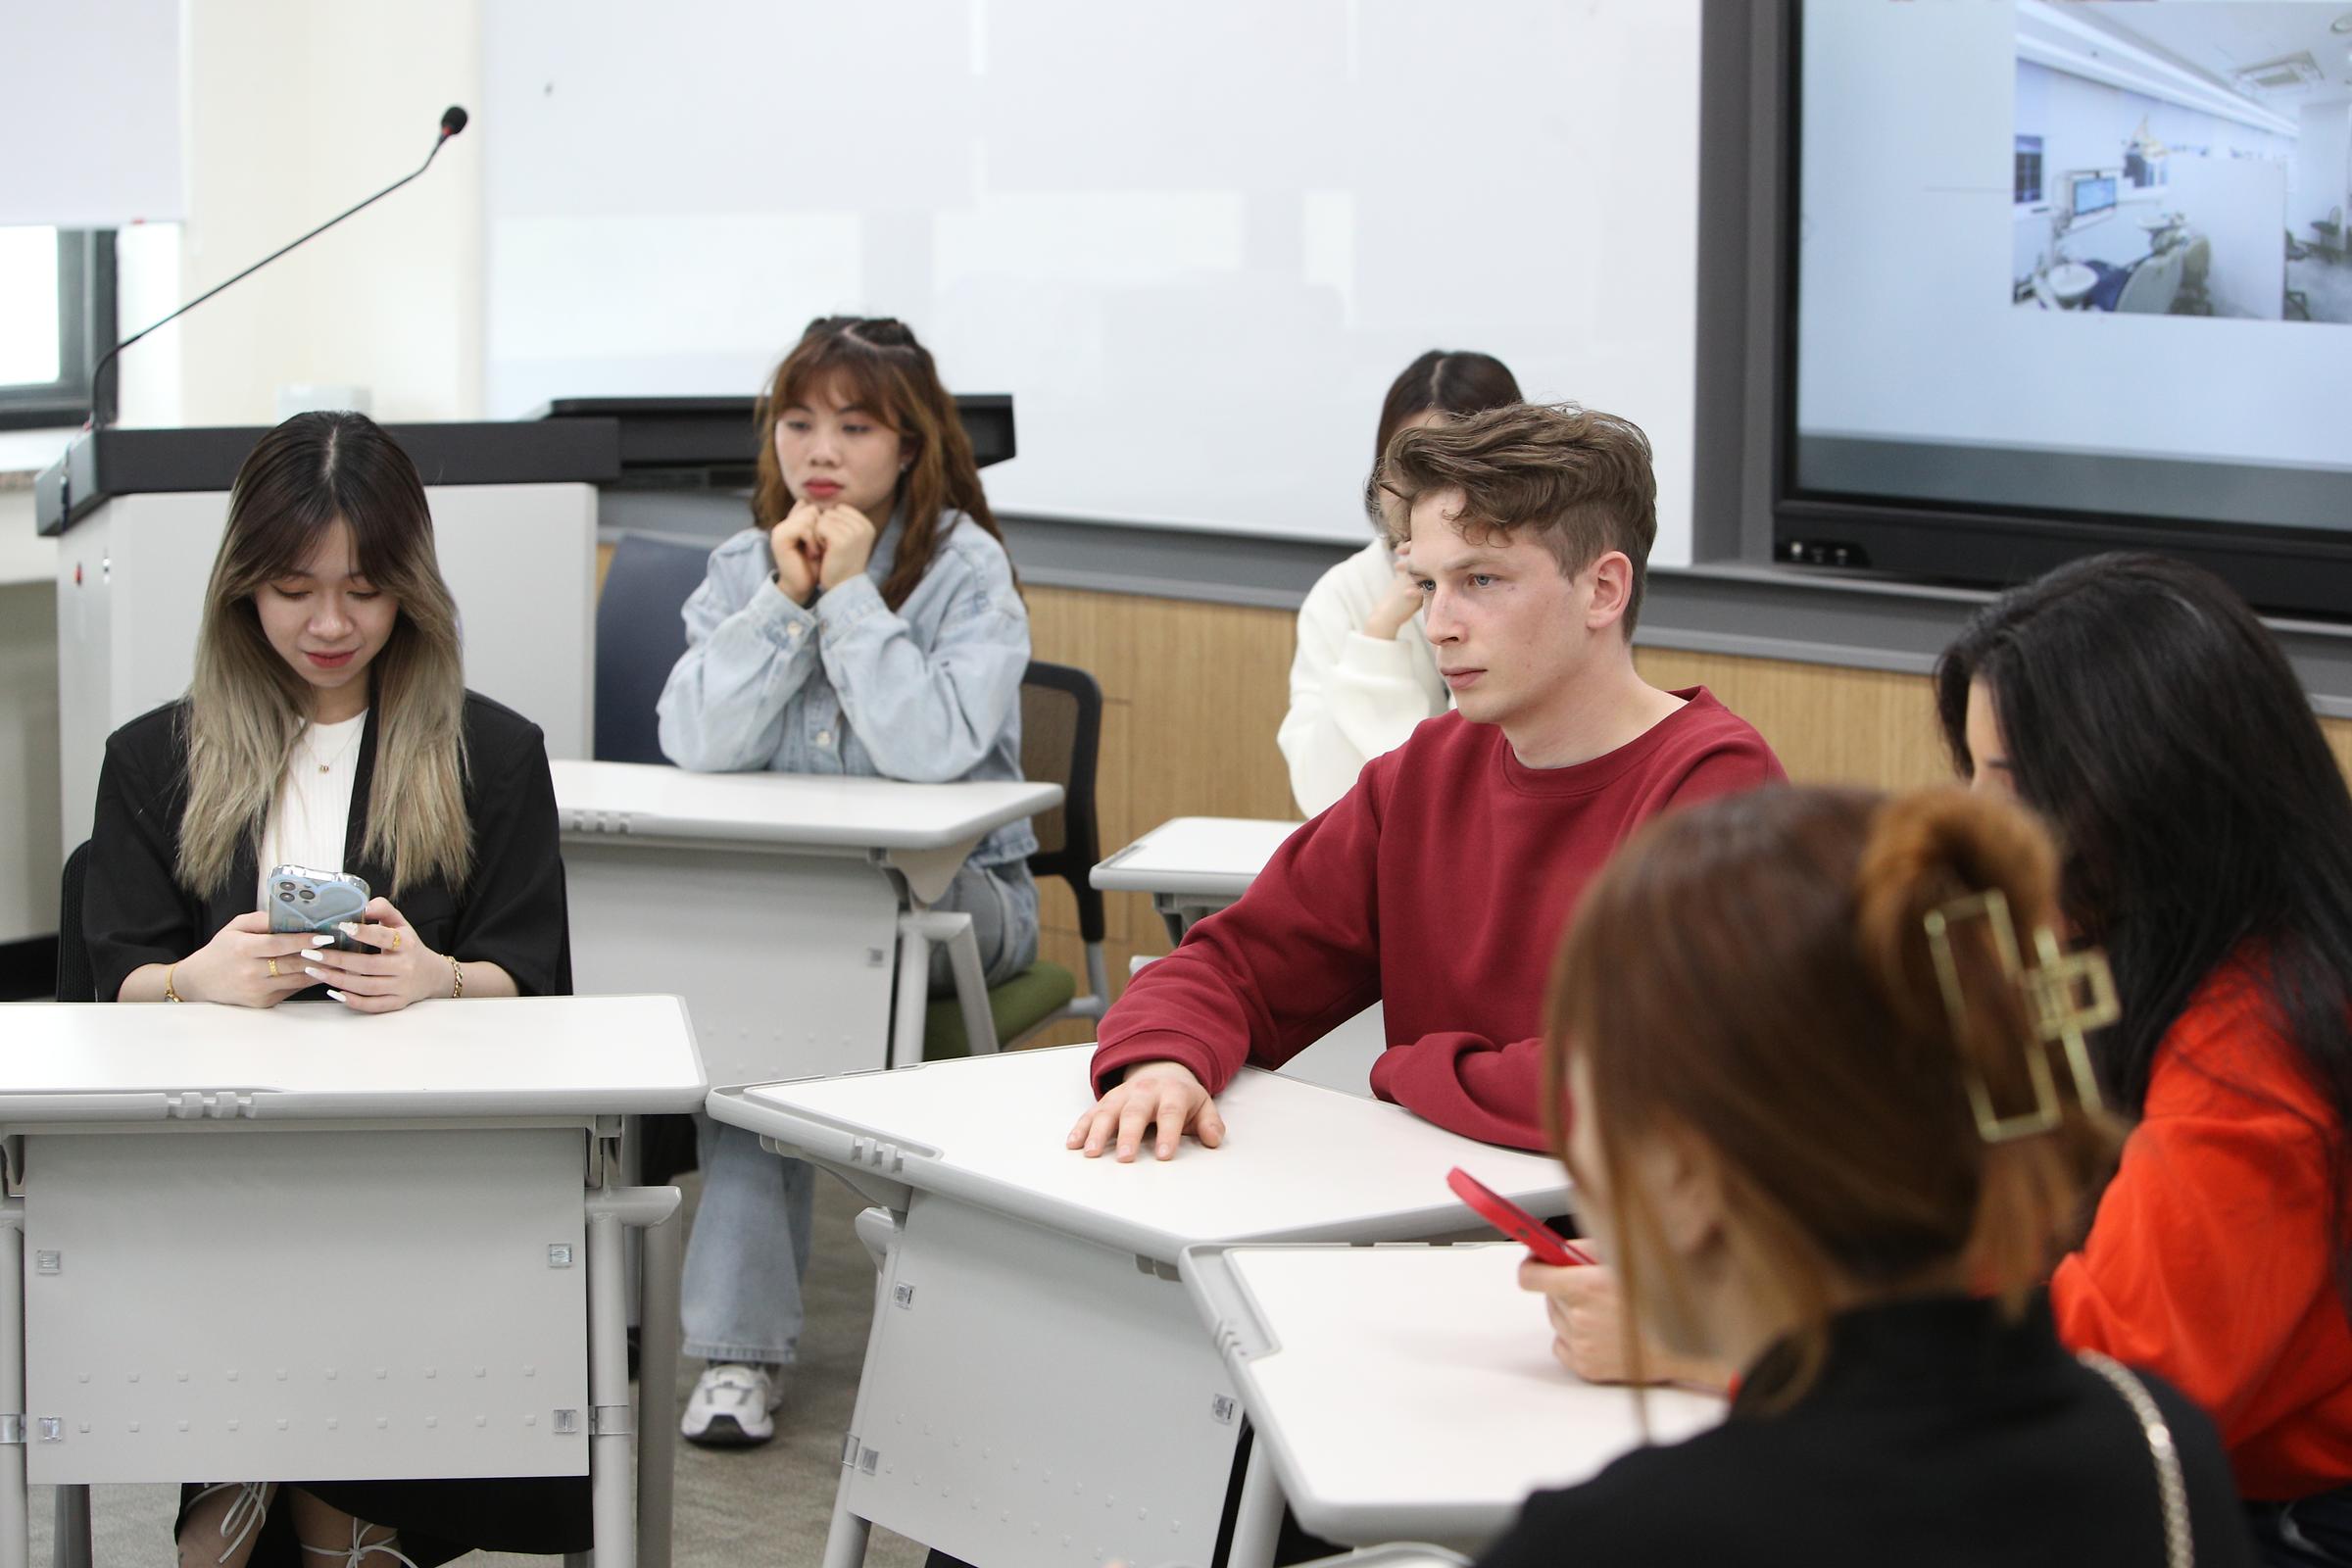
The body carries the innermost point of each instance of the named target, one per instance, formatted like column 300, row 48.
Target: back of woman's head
column 875, row 363
column 246, row 704
column 1448, row 381
column 2153, row 720
column 1766, row 974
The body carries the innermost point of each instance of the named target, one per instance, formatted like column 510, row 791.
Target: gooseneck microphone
column 452, row 120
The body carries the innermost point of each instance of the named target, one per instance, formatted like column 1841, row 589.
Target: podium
column 139, row 513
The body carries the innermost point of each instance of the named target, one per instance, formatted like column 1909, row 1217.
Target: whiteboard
column 1196, row 242
column 92, row 96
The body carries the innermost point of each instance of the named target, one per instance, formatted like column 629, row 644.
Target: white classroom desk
column 789, row 910
column 1410, row 1392
column 1193, row 866
column 1037, row 1387
column 308, row 1244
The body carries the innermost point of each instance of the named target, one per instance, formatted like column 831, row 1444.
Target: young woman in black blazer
column 329, row 725
column 328, row 718
column 1817, row 1069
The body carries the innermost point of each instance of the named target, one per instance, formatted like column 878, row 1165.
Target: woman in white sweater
column 1364, row 675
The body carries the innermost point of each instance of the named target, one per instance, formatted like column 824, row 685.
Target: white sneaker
column 733, row 1406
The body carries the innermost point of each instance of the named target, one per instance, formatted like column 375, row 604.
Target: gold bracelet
column 169, row 995
column 456, row 979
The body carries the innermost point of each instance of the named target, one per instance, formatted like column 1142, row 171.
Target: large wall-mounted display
column 2067, row 276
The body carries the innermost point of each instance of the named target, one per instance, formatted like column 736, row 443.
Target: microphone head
column 452, row 120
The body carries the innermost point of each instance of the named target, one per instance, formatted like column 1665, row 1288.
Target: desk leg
column 1257, row 1522
column 919, row 930
column 72, row 1533
column 612, row 1433
column 908, row 1012
column 609, row 1453
column 661, row 1252
column 846, row 1537
column 15, row 1506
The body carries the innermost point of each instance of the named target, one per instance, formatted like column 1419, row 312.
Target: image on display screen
column 2146, row 314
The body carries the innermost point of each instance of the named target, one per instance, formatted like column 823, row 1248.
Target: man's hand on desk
column 1152, row 1094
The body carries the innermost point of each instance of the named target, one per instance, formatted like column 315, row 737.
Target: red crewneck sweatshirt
column 1438, row 886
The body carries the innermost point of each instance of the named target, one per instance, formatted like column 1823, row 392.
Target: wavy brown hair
column 1755, row 973
column 246, row 707
column 876, row 365
column 1578, row 478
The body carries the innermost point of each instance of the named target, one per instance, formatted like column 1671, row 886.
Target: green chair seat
column 1018, row 1005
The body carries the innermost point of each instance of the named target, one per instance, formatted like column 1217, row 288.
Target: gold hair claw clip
column 2066, row 996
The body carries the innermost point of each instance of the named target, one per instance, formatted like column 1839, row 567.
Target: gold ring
column 273, row 969
column 396, row 936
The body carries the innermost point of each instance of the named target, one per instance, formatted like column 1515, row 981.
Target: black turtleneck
column 1937, row 1432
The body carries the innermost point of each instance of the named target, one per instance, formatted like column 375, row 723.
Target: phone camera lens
column 307, row 895
column 285, row 887
column 285, row 898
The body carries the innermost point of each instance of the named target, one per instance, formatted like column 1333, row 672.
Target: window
column 2028, row 184
column 57, row 316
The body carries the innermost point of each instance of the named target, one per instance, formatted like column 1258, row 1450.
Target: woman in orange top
column 2141, row 707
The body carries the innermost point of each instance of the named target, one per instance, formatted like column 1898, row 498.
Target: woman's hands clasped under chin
column 401, row 969
column 819, row 545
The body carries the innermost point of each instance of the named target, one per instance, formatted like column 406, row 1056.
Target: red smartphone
column 1515, row 1223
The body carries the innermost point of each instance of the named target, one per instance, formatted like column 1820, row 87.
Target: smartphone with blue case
column 300, row 899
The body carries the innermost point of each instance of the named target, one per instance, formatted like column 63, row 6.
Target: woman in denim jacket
column 869, row 626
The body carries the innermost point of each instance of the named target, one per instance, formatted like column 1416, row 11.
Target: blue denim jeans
column 748, row 1252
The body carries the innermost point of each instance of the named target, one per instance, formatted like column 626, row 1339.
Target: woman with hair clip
column 1836, row 1147
column 2138, row 705
column 869, row 624
column 329, row 725
column 1363, row 674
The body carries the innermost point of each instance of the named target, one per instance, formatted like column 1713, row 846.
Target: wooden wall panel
column 1192, row 695
column 1829, row 725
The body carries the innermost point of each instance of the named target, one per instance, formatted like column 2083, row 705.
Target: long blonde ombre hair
column 246, row 707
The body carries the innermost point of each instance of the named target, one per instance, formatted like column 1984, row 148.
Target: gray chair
column 639, row 638
column 2196, row 265
column 1061, row 736
column 2328, row 234
column 2152, row 286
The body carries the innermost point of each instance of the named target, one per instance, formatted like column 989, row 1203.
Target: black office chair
column 639, row 639
column 74, row 981
column 1062, row 736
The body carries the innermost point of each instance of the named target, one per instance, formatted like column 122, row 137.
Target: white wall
column 295, row 110
column 2320, row 177
column 2239, row 205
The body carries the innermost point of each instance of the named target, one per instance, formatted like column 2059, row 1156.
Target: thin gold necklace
column 342, row 752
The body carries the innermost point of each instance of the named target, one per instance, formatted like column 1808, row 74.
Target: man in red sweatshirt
column 1440, row 883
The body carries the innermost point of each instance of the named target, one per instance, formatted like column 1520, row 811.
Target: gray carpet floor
column 766, row 1507
column 2327, row 284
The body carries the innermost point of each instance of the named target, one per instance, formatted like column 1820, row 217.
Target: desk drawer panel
column 224, row 1303
column 1033, row 1401
column 786, row 961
